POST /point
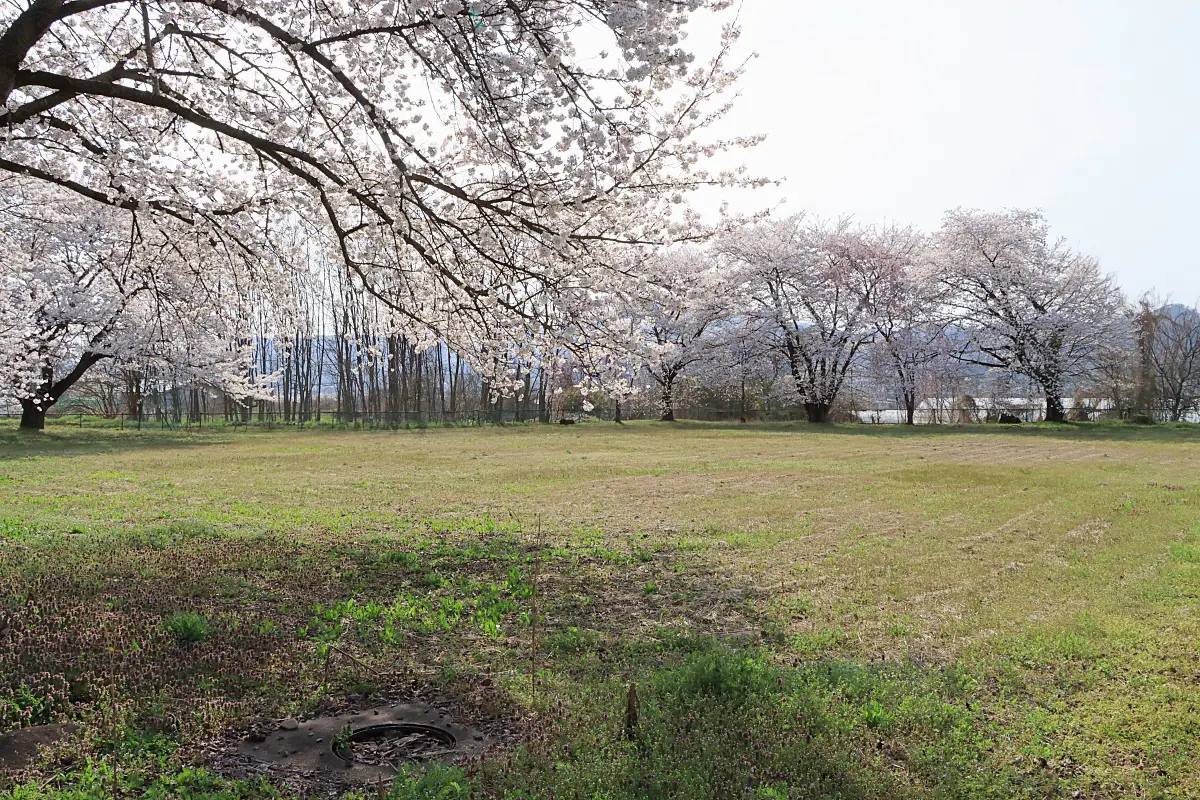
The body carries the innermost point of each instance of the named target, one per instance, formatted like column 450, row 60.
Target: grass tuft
column 187, row 627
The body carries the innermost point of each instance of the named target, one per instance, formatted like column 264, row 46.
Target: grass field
column 851, row 611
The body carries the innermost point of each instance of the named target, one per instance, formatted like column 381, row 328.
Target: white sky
column 901, row 109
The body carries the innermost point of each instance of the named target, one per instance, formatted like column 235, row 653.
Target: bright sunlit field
column 841, row 611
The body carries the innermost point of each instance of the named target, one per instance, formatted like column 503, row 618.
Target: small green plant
column 815, row 642
column 721, row 674
column 571, row 640
column 650, row 588
column 408, row 560
column 432, row 782
column 875, row 715
column 268, row 627
column 342, row 744
column 187, row 627
column 430, row 580
column 189, row 529
column 517, row 583
column 33, row 703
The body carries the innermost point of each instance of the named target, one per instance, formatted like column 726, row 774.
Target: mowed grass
column 848, row 611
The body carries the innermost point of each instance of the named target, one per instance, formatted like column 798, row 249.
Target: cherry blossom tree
column 1029, row 304
column 84, row 282
column 817, row 283
column 742, row 363
column 487, row 169
column 907, row 312
column 684, row 299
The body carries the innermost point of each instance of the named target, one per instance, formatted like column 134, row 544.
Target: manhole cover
column 369, row 745
column 391, row 745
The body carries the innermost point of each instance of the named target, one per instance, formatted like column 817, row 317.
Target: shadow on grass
column 64, row 441
column 728, row 722
column 718, row 715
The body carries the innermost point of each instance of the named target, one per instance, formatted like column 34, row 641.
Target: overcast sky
column 901, row 109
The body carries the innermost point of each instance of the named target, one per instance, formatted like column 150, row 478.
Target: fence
column 1033, row 413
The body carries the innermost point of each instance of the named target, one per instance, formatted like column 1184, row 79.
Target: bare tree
column 1174, row 357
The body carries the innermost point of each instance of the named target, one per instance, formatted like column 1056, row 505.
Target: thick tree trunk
column 817, row 412
column 668, row 399
column 33, row 413
column 1054, row 409
column 910, row 409
column 32, row 417
column 617, row 417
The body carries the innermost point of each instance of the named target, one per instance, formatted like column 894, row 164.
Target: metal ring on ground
column 393, row 730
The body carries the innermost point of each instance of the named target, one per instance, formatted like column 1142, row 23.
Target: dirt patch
column 19, row 748
column 312, row 758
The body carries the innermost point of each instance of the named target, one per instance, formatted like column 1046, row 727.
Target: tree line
column 778, row 319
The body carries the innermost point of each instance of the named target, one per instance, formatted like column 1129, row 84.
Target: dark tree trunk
column 134, row 392
column 32, row 417
column 668, row 397
column 617, row 417
column 543, row 408
column 50, row 391
column 1054, row 409
column 817, row 412
column 910, row 409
